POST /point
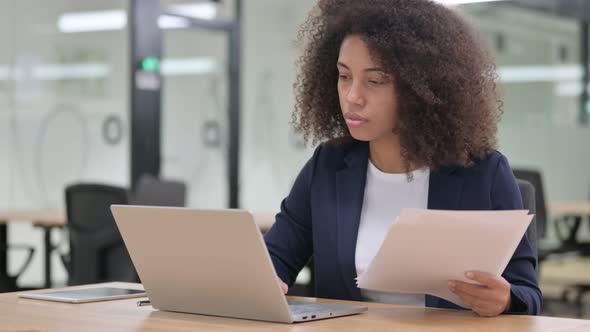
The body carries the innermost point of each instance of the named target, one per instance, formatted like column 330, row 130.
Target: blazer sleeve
column 289, row 240
column 526, row 296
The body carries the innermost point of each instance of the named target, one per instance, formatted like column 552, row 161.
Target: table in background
column 570, row 213
column 46, row 219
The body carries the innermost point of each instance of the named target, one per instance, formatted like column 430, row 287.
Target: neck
column 386, row 154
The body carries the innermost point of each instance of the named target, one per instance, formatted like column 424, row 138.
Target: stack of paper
column 425, row 249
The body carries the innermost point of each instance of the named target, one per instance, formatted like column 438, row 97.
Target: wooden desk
column 570, row 208
column 43, row 218
column 566, row 271
column 33, row 315
column 39, row 217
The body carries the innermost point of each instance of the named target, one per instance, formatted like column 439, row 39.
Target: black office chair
column 535, row 179
column 527, row 192
column 154, row 191
column 97, row 252
column 566, row 229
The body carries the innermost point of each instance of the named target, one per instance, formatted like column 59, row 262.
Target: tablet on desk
column 85, row 295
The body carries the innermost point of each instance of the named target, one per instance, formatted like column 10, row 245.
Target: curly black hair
column 445, row 77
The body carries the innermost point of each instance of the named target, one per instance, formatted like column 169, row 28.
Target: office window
column 63, row 105
column 272, row 154
column 538, row 55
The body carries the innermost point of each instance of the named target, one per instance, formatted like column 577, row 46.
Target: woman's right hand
column 284, row 286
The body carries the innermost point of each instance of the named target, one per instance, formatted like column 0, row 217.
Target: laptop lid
column 211, row 262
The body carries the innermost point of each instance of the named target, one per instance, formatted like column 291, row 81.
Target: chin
column 361, row 135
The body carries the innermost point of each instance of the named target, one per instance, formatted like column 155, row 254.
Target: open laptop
column 210, row 262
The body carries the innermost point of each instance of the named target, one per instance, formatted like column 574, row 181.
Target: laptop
column 85, row 295
column 211, row 262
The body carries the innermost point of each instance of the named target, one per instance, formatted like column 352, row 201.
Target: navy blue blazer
column 320, row 217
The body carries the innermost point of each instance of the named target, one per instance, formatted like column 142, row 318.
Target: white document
column 425, row 249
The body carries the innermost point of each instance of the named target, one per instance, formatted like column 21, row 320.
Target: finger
column 467, row 299
column 485, row 312
column 479, row 306
column 477, row 291
column 490, row 299
column 496, row 303
column 487, row 309
column 485, row 306
column 486, row 279
column 284, row 287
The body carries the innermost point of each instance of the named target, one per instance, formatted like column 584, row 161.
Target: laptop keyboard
column 300, row 308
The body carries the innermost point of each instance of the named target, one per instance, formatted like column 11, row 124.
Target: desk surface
column 40, row 217
column 34, row 315
column 570, row 208
column 566, row 271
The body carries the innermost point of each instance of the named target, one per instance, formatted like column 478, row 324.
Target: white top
column 386, row 195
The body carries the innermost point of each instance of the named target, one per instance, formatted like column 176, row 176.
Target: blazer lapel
column 350, row 190
column 445, row 188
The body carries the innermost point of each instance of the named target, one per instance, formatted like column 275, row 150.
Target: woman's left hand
column 489, row 299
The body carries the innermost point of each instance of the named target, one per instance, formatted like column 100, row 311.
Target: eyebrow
column 340, row 64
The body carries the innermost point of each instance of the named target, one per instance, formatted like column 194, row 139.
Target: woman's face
column 367, row 95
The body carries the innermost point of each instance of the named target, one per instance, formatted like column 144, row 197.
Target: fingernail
column 469, row 275
column 452, row 284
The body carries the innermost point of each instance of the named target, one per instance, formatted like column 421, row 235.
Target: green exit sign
column 150, row 63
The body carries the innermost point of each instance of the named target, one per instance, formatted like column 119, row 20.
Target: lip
column 354, row 120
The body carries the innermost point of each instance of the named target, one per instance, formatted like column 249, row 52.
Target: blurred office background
column 68, row 70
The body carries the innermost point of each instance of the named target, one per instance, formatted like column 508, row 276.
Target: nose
column 355, row 94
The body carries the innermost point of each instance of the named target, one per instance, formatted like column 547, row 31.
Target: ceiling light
column 106, row 20
column 92, row 21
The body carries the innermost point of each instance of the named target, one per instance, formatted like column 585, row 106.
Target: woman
column 403, row 94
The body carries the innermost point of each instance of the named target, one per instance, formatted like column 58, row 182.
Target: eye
column 378, row 79
column 343, row 77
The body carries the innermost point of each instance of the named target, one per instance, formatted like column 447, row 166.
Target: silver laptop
column 210, row 262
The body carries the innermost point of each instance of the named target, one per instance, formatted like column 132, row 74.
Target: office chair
column 153, row 191
column 97, row 252
column 527, row 192
column 535, row 179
